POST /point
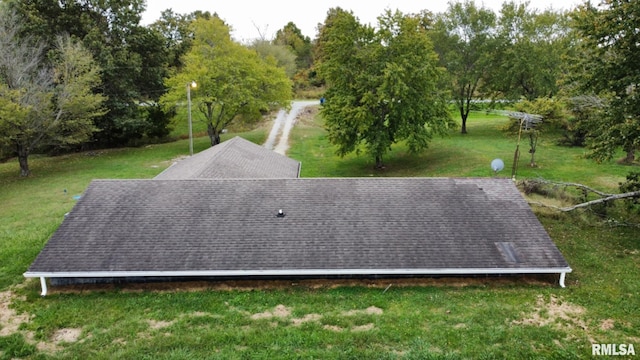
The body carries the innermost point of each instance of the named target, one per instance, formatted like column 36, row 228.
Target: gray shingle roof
column 359, row 225
column 234, row 158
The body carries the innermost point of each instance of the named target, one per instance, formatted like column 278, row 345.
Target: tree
column 463, row 37
column 291, row 37
column 133, row 58
column 232, row 80
column 174, row 29
column 585, row 110
column 529, row 56
column 282, row 55
column 608, row 66
column 383, row 85
column 41, row 102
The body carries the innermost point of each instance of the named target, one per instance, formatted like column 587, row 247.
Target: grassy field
column 466, row 155
column 479, row 318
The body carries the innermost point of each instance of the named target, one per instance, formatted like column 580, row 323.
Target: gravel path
column 285, row 122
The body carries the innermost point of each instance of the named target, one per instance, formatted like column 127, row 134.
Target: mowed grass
column 451, row 318
column 467, row 155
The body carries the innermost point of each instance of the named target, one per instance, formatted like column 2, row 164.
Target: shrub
column 632, row 184
column 552, row 111
column 584, row 109
column 158, row 121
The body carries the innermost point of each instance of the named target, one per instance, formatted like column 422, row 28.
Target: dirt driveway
column 283, row 124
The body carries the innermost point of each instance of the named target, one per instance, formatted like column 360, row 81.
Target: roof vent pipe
column 280, row 213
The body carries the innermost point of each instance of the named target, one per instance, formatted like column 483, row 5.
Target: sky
column 251, row 19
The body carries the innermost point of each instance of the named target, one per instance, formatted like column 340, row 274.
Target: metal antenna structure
column 527, row 122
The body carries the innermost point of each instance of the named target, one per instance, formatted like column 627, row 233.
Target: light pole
column 190, row 85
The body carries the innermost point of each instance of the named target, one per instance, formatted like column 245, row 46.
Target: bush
column 584, row 110
column 632, row 184
column 158, row 121
column 551, row 110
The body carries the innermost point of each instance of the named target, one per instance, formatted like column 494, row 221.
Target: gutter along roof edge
column 293, row 272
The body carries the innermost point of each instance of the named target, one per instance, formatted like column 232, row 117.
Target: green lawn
column 468, row 155
column 507, row 318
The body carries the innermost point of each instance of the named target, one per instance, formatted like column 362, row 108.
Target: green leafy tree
column 463, row 37
column 632, row 184
column 291, row 37
column 174, row 29
column 233, row 81
column 282, row 55
column 608, row 66
column 383, row 85
column 305, row 75
column 585, row 111
column 42, row 102
column 531, row 49
column 133, row 58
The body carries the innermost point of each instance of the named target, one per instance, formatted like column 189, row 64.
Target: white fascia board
column 301, row 272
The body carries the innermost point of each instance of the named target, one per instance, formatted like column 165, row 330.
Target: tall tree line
column 133, row 59
column 517, row 53
column 607, row 72
column 132, row 68
column 578, row 67
column 46, row 96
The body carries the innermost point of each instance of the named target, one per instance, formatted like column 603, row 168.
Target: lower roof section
column 290, row 227
column 234, row 158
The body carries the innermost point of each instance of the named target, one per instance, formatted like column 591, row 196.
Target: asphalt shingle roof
column 338, row 223
column 234, row 158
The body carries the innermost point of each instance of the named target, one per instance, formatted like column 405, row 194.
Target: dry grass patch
column 283, row 313
column 60, row 336
column 633, row 340
column 10, row 321
column 307, row 116
column 200, row 314
column 371, row 310
column 279, row 311
column 607, row 324
column 119, row 341
column 43, row 346
column 156, row 325
column 609, row 182
column 334, row 328
column 305, row 319
column 559, row 314
column 365, row 327
column 548, row 313
column 66, row 335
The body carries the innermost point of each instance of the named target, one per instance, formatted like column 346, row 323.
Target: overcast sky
column 250, row 18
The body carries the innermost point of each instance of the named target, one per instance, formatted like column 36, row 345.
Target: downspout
column 43, row 285
column 299, row 169
column 562, row 276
